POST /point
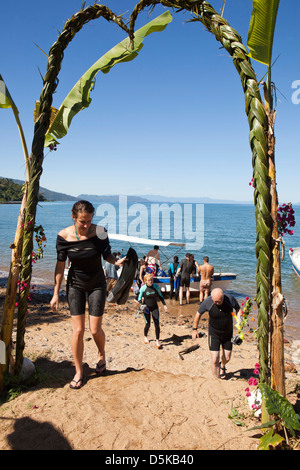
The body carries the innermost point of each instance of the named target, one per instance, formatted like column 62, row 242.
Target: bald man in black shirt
column 220, row 307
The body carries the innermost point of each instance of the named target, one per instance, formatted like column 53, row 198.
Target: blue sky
column 171, row 122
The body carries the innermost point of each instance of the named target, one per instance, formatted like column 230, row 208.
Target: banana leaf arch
column 258, row 123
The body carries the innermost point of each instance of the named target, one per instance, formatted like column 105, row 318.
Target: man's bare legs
column 216, row 364
column 187, row 294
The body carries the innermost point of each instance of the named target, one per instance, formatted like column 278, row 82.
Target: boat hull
column 294, row 254
column 221, row 280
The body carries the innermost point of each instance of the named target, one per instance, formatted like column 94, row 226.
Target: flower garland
column 286, row 219
column 254, row 397
column 240, row 325
column 41, row 240
column 285, row 216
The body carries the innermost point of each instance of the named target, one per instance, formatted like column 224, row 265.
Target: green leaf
column 79, row 96
column 269, row 440
column 277, row 404
column 266, row 425
column 261, row 30
column 6, row 100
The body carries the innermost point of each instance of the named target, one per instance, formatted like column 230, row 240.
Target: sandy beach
column 148, row 399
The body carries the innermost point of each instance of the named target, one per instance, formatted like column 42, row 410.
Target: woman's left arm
column 113, row 260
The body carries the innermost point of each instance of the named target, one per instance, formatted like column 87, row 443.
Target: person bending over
column 220, row 329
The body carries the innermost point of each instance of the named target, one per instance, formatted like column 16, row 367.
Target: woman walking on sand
column 84, row 243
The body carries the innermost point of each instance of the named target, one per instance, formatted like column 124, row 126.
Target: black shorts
column 185, row 281
column 79, row 292
column 216, row 340
column 77, row 299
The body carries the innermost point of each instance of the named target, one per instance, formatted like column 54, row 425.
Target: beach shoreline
column 148, row 399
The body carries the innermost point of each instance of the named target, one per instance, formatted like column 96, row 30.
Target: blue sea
column 224, row 232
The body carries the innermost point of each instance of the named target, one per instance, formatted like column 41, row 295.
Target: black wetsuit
column 86, row 279
column 220, row 321
column 151, row 294
column 186, row 269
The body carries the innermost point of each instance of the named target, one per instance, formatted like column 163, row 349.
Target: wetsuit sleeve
column 159, row 293
column 205, row 306
column 142, row 290
column 106, row 248
column 61, row 249
column 234, row 303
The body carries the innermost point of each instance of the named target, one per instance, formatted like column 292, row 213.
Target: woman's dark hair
column 82, row 206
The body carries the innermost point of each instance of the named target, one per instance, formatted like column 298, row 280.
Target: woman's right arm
column 58, row 277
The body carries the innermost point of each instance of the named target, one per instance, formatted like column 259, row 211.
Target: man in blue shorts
column 220, row 330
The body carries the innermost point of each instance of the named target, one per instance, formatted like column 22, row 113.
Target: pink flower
column 252, row 381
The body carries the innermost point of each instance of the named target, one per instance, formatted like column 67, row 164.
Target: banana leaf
column 6, row 100
column 79, row 96
column 261, row 30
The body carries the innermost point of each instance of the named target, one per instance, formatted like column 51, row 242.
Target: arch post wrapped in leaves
column 258, row 123
column 42, row 123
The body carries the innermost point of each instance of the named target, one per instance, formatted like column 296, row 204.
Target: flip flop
column 100, row 369
column 222, row 371
column 82, row 380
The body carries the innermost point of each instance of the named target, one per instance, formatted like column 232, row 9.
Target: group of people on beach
column 180, row 274
column 85, row 244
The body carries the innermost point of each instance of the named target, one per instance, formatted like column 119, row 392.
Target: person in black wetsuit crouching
column 220, row 329
column 149, row 295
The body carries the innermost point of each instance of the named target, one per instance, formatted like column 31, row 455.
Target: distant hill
column 112, row 198
column 194, row 200
column 11, row 191
column 159, row 199
column 51, row 195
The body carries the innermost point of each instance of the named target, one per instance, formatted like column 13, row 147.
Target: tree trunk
column 276, row 317
column 12, row 286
